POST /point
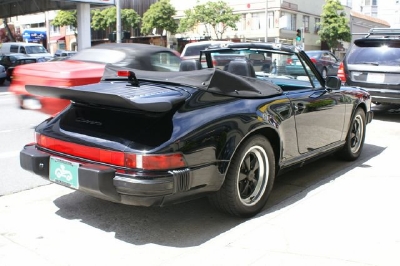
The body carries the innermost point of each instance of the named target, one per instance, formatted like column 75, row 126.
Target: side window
column 14, row 49
column 22, row 50
column 165, row 61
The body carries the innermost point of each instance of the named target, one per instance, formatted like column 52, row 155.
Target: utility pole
column 266, row 20
column 118, row 7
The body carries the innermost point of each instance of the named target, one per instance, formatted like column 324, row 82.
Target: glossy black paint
column 302, row 122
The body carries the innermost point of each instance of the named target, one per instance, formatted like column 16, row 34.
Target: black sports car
column 153, row 138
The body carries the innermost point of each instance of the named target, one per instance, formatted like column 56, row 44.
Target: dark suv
column 373, row 62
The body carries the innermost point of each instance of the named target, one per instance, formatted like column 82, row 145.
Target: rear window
column 375, row 52
column 195, row 50
column 100, row 56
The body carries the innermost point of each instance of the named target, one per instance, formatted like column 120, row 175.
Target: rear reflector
column 117, row 158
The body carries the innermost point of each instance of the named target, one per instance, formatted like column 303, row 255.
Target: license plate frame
column 64, row 172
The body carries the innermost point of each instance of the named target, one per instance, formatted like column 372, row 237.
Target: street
column 328, row 212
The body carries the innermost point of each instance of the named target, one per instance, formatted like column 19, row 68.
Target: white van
column 30, row 49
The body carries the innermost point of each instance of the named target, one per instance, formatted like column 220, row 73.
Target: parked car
column 326, row 63
column 7, row 59
column 87, row 67
column 373, row 62
column 192, row 50
column 21, row 61
column 3, row 75
column 64, row 53
column 155, row 138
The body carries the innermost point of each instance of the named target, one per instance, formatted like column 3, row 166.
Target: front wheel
column 355, row 137
column 249, row 179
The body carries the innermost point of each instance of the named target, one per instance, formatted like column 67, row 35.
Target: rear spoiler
column 119, row 95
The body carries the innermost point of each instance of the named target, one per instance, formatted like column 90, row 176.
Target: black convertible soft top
column 150, row 98
column 210, row 79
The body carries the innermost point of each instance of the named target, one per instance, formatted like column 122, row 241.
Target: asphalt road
column 328, row 212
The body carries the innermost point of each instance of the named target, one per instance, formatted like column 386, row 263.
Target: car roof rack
column 386, row 32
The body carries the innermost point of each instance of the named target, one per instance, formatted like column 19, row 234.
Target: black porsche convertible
column 153, row 138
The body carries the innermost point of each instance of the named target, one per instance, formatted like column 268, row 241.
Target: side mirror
column 333, row 83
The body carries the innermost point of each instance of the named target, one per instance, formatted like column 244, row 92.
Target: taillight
column 341, row 75
column 313, row 60
column 123, row 73
column 214, row 62
column 289, row 61
column 118, row 158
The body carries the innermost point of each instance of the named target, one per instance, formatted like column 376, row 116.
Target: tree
column 217, row 16
column 334, row 24
column 66, row 18
column 107, row 18
column 159, row 16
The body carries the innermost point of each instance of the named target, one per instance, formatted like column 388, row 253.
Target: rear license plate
column 375, row 78
column 64, row 172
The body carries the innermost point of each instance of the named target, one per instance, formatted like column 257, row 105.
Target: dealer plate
column 64, row 172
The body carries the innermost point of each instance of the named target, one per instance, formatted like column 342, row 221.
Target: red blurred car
column 87, row 67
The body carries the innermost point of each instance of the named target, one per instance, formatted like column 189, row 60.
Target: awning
column 54, row 39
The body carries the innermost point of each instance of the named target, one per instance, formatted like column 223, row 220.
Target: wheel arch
column 269, row 133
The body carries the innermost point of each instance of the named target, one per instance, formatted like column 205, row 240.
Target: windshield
column 267, row 64
column 35, row 49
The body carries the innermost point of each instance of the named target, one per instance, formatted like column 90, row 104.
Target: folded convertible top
column 210, row 79
column 162, row 95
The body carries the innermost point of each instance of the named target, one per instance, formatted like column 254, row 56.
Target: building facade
column 271, row 20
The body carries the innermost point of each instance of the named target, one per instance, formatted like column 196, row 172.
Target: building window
column 255, row 21
column 317, row 25
column 291, row 21
column 54, row 30
column 70, row 30
column 306, row 23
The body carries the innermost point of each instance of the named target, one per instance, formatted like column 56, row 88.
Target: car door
column 319, row 114
column 333, row 65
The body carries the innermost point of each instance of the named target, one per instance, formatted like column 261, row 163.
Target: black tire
column 2, row 81
column 355, row 137
column 249, row 179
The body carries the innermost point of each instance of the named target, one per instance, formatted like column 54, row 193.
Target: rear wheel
column 355, row 137
column 249, row 179
column 2, row 81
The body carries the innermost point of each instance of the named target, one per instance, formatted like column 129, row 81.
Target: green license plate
column 64, row 172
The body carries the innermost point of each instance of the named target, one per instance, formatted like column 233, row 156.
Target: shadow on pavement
column 193, row 223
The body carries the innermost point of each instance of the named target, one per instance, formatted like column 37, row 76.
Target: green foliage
column 65, row 18
column 217, row 16
column 107, row 17
column 159, row 16
column 334, row 24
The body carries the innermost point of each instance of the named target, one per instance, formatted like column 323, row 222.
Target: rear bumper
column 140, row 189
column 384, row 95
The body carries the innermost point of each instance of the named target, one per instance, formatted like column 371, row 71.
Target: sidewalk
column 348, row 218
